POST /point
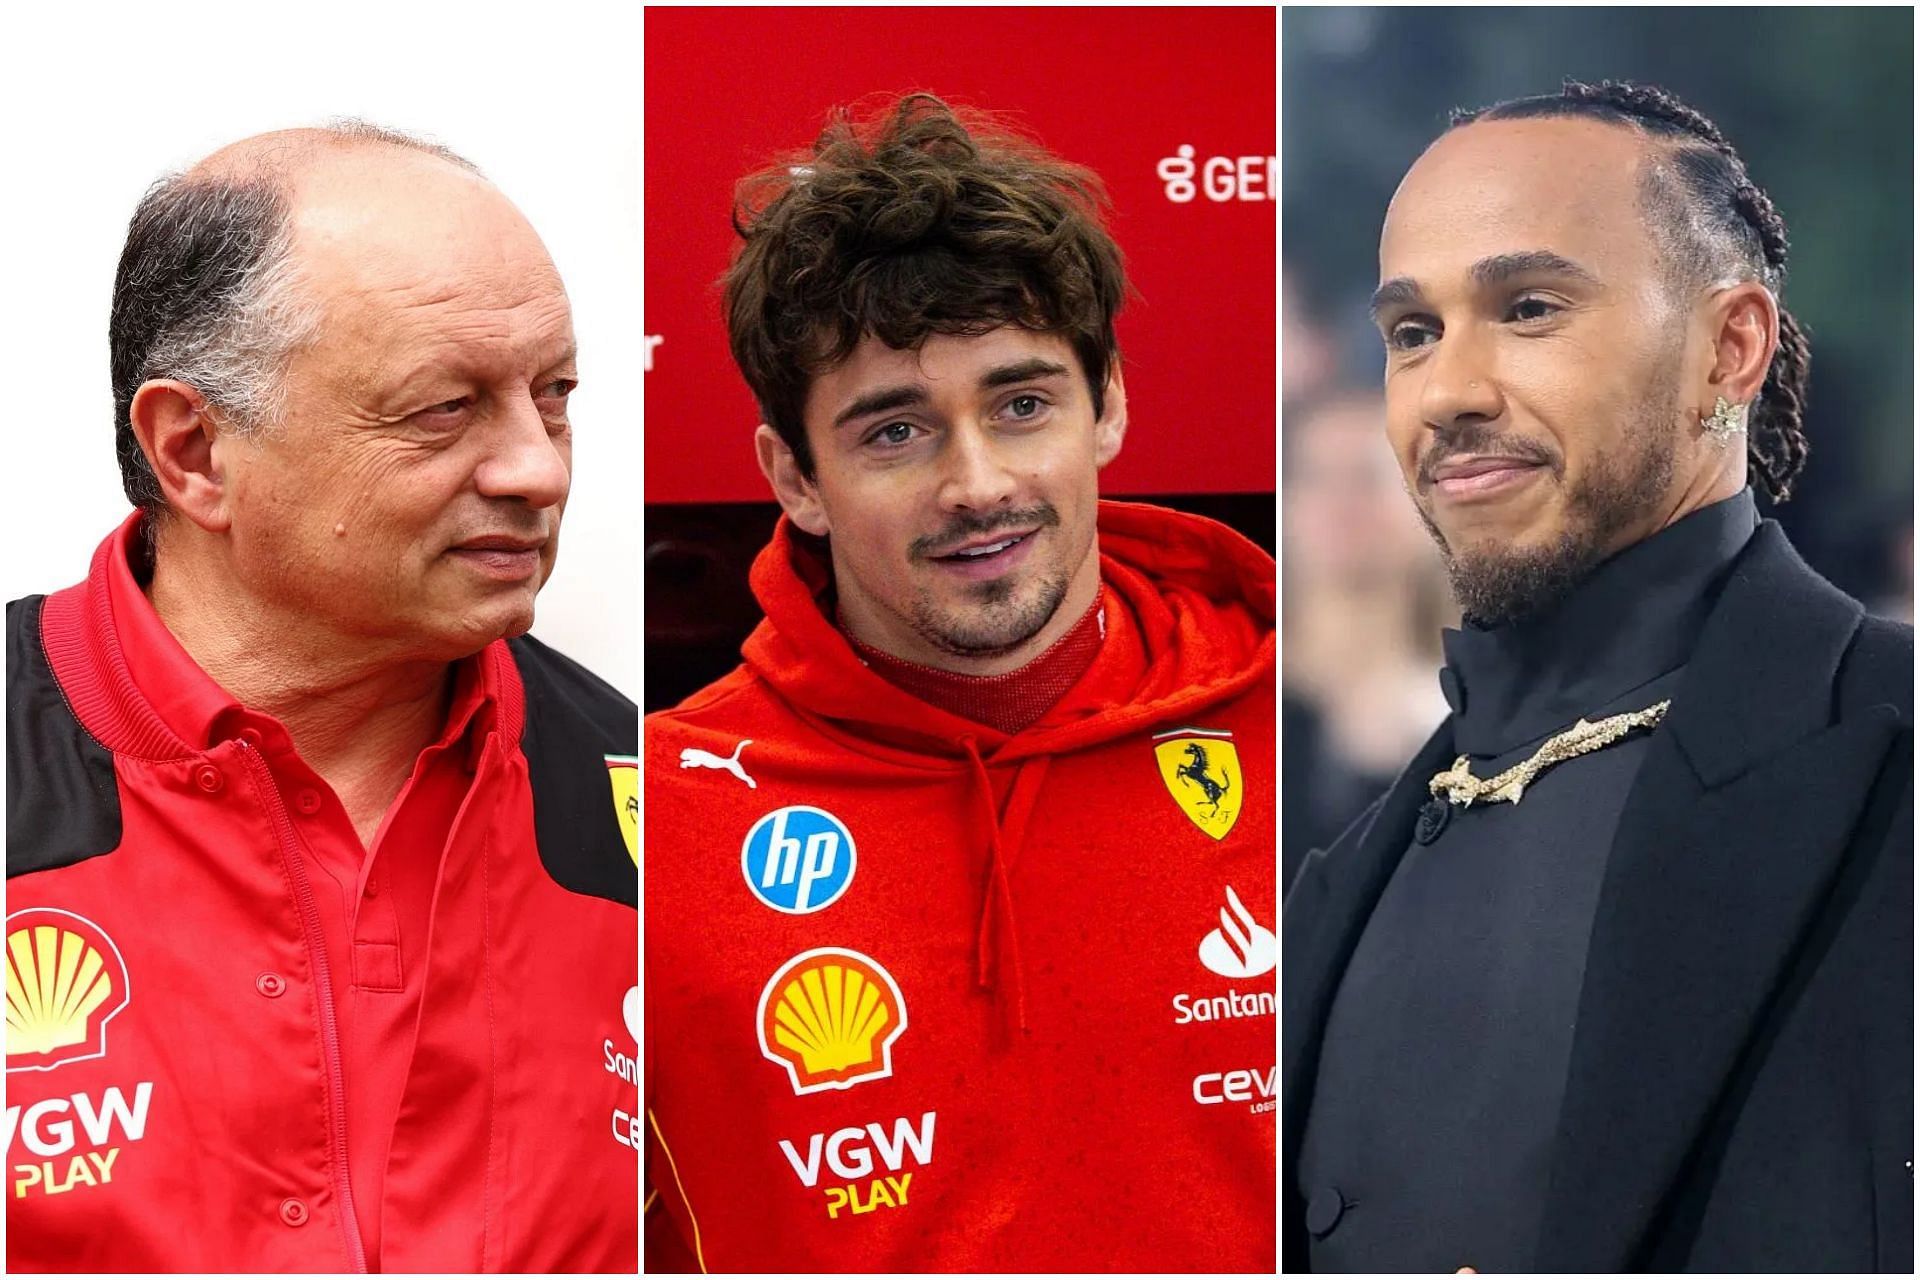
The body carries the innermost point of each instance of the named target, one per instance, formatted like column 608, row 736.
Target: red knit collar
column 1011, row 700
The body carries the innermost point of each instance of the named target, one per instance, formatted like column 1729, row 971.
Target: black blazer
column 1740, row 1094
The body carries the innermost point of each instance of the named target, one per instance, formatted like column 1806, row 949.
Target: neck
column 358, row 717
column 1722, row 474
column 885, row 631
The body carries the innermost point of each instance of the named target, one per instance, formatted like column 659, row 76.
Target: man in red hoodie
column 960, row 890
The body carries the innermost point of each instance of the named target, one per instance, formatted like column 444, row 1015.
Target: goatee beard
column 1497, row 586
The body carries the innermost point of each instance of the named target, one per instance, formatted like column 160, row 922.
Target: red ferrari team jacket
column 231, row 1048
column 925, row 996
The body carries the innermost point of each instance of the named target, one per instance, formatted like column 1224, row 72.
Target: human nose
column 1460, row 386
column 976, row 478
column 527, row 459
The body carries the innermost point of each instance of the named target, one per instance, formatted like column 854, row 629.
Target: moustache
column 1481, row 441
column 966, row 528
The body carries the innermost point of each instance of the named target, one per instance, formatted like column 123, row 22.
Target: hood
column 1198, row 628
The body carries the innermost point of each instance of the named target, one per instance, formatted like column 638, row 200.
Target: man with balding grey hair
column 321, row 872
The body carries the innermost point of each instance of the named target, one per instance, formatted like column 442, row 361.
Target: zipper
column 323, row 982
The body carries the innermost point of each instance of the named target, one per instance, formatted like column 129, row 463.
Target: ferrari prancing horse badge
column 1202, row 773
column 624, row 772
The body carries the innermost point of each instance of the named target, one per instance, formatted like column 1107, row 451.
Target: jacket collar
column 1732, row 840
column 1718, row 865
column 137, row 691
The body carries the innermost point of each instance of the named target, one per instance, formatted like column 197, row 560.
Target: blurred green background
column 1819, row 102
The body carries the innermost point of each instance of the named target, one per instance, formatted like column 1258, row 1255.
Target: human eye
column 552, row 397
column 893, row 435
column 1531, row 309
column 1407, row 334
column 444, row 414
column 1026, row 407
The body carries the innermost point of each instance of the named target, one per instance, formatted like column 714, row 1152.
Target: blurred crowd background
column 1819, row 102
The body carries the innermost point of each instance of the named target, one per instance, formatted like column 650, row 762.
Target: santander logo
column 1239, row 948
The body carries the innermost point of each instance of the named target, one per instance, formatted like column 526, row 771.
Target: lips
column 1468, row 468
column 986, row 548
column 1483, row 477
column 502, row 557
column 501, row 542
column 985, row 559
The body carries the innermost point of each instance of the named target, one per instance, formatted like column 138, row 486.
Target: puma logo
column 695, row 758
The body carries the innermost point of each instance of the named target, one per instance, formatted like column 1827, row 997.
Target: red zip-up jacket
column 232, row 1046
column 926, row 996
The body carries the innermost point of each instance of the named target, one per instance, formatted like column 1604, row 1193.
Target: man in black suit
column 1618, row 974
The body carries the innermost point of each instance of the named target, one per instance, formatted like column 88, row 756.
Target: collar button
column 209, row 779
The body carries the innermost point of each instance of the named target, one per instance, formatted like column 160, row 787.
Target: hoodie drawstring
column 1002, row 843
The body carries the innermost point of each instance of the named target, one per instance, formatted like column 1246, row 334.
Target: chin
column 480, row 625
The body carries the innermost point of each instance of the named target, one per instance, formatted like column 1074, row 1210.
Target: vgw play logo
column 798, row 859
column 850, row 1156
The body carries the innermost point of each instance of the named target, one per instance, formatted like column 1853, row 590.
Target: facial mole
column 340, row 530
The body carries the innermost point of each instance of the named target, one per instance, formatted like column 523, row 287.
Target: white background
column 101, row 101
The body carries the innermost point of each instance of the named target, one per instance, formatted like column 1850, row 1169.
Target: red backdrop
column 1173, row 108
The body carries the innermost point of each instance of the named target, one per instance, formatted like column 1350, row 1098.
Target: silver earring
column 1726, row 421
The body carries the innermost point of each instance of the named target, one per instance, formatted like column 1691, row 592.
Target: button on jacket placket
column 290, row 855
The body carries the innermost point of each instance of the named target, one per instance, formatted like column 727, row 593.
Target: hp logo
column 798, row 859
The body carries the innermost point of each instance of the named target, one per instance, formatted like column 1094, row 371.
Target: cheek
column 871, row 522
column 1580, row 388
column 390, row 491
column 1405, row 434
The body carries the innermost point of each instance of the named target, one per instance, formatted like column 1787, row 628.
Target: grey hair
column 208, row 293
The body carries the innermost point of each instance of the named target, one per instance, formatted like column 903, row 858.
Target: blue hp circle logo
column 798, row 859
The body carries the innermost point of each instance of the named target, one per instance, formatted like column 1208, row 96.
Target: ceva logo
column 798, row 859
column 65, row 982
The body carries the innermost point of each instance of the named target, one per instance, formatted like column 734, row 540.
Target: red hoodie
column 926, row 996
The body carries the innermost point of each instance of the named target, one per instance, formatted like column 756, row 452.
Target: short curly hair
column 920, row 220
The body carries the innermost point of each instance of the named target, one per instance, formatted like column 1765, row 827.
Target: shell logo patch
column 830, row 1017
column 625, row 773
column 1202, row 771
column 65, row 982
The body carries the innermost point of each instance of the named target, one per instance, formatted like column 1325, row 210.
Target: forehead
column 402, row 251
column 1505, row 186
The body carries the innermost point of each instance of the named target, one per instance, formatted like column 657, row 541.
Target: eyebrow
column 887, row 399
column 1486, row 273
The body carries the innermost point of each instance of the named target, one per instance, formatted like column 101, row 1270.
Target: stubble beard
column 1003, row 613
column 1002, row 617
column 1496, row 585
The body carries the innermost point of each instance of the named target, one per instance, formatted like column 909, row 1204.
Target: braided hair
column 1713, row 223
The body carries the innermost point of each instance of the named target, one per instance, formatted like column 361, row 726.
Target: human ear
column 176, row 430
column 1110, row 429
column 798, row 496
column 1746, row 333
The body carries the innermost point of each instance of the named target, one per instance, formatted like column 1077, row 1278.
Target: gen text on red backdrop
column 1174, row 108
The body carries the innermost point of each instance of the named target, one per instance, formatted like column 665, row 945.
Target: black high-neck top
column 1634, row 619
column 1445, row 1055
